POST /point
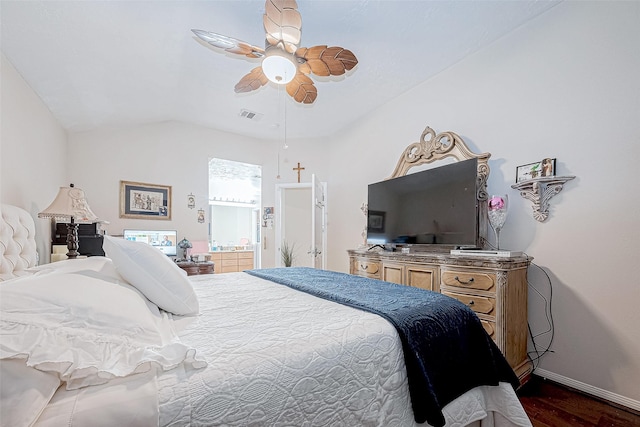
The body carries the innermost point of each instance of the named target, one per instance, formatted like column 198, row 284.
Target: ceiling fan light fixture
column 278, row 66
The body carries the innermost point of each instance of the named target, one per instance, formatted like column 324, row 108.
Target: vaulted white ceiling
column 110, row 64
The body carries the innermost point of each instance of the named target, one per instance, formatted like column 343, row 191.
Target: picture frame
column 139, row 200
column 544, row 168
column 375, row 221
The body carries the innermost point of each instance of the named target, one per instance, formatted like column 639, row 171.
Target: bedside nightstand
column 195, row 268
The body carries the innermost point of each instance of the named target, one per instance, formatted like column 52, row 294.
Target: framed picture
column 375, row 222
column 548, row 167
column 145, row 201
column 545, row 167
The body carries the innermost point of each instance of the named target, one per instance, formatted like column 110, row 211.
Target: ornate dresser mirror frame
column 433, row 147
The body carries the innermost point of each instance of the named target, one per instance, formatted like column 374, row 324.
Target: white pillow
column 24, row 392
column 86, row 330
column 154, row 274
column 101, row 265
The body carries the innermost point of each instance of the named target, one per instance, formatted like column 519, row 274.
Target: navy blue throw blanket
column 446, row 350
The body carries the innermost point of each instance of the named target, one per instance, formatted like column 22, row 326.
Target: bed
column 131, row 340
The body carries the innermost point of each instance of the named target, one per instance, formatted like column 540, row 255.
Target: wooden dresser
column 495, row 288
column 232, row 261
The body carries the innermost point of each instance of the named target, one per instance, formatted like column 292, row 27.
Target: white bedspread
column 279, row 357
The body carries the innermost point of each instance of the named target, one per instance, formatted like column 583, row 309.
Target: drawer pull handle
column 471, row 303
column 364, row 267
column 462, row 282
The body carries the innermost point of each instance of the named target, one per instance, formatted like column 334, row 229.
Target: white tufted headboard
column 17, row 242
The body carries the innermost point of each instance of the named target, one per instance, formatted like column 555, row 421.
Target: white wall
column 177, row 154
column 33, row 150
column 566, row 86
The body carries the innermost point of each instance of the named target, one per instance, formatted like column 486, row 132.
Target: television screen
column 165, row 240
column 435, row 206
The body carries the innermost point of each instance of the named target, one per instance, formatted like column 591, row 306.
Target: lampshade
column 69, row 203
column 278, row 66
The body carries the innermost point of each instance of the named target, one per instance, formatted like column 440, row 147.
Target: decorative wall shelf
column 540, row 191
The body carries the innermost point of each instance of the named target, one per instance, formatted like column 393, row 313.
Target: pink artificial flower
column 496, row 203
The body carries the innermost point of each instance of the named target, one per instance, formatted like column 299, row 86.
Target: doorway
column 301, row 223
column 235, row 191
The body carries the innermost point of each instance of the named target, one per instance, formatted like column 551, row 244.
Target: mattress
column 280, row 357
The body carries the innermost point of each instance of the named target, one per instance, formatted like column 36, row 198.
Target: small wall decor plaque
column 267, row 217
column 191, row 201
column 544, row 168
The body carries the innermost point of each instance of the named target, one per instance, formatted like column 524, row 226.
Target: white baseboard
column 589, row 389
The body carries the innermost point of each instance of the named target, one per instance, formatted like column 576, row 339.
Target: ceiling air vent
column 251, row 115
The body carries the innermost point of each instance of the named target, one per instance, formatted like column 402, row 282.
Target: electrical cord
column 537, row 353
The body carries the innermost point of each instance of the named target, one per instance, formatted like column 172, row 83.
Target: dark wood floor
column 551, row 405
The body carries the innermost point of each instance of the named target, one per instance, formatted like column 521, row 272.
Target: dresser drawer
column 245, row 264
column 366, row 268
column 245, row 255
column 468, row 280
column 481, row 305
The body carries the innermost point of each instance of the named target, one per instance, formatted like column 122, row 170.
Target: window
column 235, row 190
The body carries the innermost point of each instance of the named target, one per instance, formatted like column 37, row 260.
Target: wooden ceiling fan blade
column 282, row 23
column 304, row 67
column 252, row 81
column 230, row 44
column 328, row 61
column 302, row 89
column 247, row 50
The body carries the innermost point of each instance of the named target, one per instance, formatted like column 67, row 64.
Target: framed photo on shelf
column 139, row 200
column 545, row 167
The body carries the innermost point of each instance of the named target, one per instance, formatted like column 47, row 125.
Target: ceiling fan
column 283, row 60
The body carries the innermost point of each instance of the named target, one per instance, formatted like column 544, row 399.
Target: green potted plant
column 286, row 252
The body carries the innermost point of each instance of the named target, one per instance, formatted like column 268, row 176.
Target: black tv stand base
column 386, row 248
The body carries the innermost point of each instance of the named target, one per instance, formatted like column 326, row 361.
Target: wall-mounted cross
column 298, row 169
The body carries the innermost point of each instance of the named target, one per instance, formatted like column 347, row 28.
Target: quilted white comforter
column 279, row 357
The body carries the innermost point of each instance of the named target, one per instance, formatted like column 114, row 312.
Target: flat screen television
column 165, row 240
column 437, row 206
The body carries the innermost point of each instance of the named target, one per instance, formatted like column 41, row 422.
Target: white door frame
column 279, row 214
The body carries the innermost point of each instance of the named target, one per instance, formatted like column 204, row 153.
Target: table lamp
column 185, row 245
column 70, row 206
